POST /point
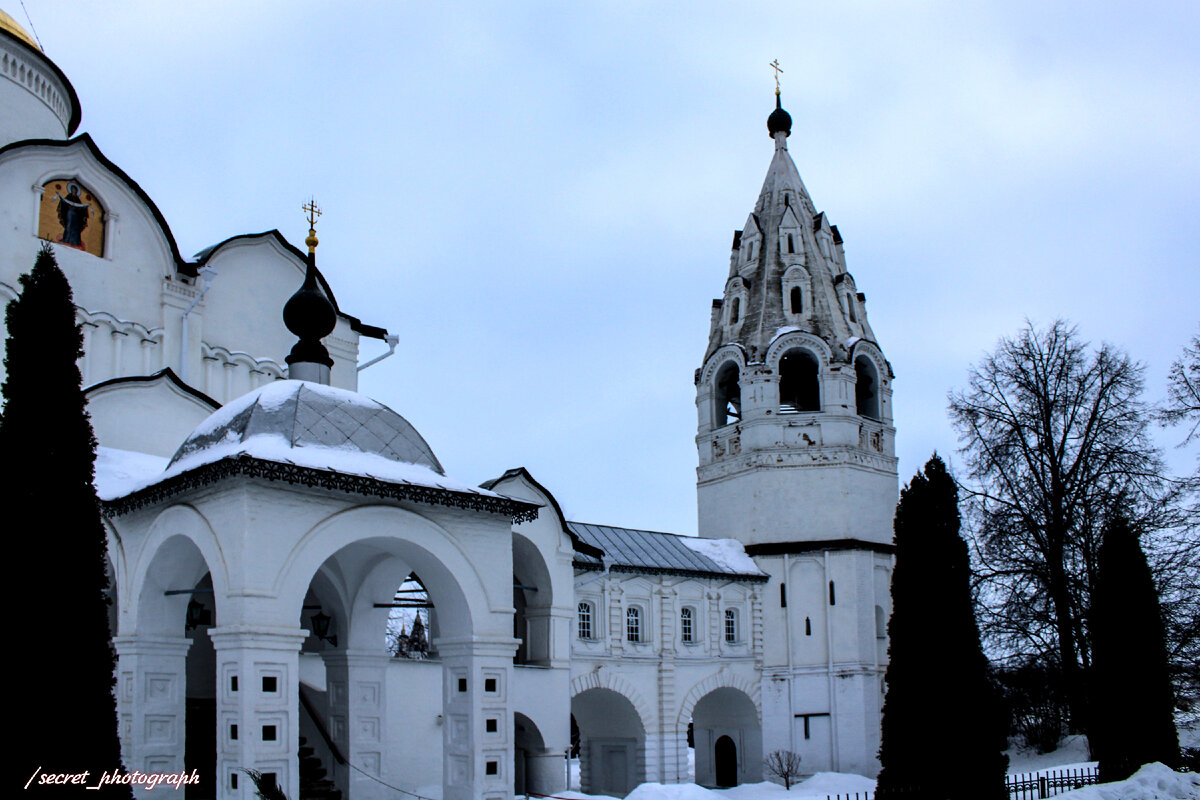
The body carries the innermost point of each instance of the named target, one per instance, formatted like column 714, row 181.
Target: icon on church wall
column 72, row 216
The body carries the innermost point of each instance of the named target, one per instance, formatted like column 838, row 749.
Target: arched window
column 796, row 298
column 791, row 244
column 731, row 625
column 799, row 387
column 727, row 400
column 735, row 310
column 585, row 621
column 850, row 307
column 866, row 394
column 685, row 625
column 880, row 623
column 633, row 624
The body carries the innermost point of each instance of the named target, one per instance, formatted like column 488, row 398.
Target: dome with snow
column 290, row 415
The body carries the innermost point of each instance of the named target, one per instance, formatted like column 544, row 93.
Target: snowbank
column 119, row 472
column 1072, row 753
column 1151, row 782
column 820, row 785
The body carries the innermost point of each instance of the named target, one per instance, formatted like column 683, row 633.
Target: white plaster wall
column 149, row 418
column 243, row 311
column 768, row 503
column 236, row 336
column 414, row 724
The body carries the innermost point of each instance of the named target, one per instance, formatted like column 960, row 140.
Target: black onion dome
column 779, row 121
column 311, row 317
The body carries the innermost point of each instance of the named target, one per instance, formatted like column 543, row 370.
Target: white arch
column 606, row 679
column 869, row 349
column 176, row 523
column 721, row 680
column 793, row 340
column 436, row 554
column 727, row 352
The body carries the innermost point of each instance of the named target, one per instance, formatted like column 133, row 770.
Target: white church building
column 266, row 522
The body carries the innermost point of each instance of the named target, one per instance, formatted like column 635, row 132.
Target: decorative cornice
column 819, row 545
column 67, row 108
column 250, row 467
column 585, row 566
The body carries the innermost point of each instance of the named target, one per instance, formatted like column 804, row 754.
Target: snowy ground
column 1152, row 782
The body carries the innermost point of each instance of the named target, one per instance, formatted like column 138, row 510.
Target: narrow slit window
column 796, row 300
column 791, row 244
column 832, row 595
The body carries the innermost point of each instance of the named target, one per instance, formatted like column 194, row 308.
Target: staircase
column 313, row 783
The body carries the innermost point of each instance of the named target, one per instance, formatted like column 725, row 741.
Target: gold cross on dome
column 778, row 69
column 312, row 211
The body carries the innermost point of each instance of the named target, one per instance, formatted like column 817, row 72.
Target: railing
column 1039, row 785
column 307, row 705
column 1023, row 786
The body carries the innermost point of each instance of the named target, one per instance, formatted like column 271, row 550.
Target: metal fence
column 1036, row 786
column 1023, row 786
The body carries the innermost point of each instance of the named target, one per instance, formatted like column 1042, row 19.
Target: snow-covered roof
column 632, row 550
column 302, row 433
column 302, row 414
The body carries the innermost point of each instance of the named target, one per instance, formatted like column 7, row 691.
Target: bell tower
column 797, row 461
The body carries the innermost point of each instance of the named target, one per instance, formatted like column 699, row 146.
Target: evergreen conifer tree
column 1132, row 702
column 942, row 727
column 66, row 719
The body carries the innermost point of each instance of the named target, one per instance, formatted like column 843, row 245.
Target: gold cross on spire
column 312, row 211
column 778, row 69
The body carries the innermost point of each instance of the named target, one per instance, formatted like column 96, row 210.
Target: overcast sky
column 539, row 198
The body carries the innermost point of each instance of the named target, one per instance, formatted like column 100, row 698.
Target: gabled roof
column 356, row 325
column 164, row 374
column 578, row 545
column 655, row 553
column 85, row 140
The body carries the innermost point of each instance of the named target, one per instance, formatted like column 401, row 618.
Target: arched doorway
column 415, row 723
column 728, row 738
column 612, row 738
column 532, row 599
column 200, row 751
column 166, row 651
column 725, row 762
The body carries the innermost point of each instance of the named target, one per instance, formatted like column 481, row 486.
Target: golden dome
column 9, row 25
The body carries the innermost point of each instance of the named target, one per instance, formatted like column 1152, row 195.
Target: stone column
column 258, row 707
column 152, row 701
column 358, row 716
column 477, row 748
column 546, row 773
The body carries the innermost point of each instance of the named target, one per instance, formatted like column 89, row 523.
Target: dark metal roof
column 631, row 550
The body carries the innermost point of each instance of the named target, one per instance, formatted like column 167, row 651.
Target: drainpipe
column 208, row 273
column 392, row 340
